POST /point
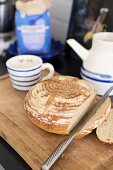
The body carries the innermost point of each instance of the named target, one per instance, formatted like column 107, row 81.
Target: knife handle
column 56, row 153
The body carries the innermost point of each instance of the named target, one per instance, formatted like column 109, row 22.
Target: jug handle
column 78, row 48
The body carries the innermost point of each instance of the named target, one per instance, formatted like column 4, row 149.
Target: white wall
column 60, row 13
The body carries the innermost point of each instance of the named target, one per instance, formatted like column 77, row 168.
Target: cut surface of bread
column 105, row 130
column 57, row 104
column 97, row 119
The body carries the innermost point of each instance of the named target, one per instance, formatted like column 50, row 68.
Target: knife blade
column 63, row 145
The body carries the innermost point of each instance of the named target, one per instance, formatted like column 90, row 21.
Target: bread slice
column 56, row 105
column 105, row 130
column 97, row 119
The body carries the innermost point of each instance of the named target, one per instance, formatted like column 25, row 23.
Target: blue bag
column 33, row 33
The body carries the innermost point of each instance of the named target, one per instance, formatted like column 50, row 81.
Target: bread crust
column 63, row 129
column 49, row 128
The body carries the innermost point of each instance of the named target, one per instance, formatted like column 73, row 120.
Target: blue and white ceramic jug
column 98, row 61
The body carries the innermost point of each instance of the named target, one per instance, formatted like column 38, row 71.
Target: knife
column 63, row 145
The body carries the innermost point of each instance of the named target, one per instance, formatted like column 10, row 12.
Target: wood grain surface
column 35, row 145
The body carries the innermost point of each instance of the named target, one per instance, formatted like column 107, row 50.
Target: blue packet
column 33, row 33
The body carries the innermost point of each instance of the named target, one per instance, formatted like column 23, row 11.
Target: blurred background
column 79, row 19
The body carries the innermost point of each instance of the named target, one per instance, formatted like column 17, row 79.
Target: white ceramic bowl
column 26, row 70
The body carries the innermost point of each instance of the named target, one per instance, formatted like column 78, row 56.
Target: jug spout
column 78, row 48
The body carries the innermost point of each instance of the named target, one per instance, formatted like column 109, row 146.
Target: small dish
column 57, row 48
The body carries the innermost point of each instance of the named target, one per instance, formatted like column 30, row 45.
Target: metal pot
column 7, row 12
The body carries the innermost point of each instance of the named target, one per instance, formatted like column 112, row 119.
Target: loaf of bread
column 105, row 130
column 57, row 104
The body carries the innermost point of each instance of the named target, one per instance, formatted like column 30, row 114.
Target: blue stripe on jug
column 99, row 80
column 105, row 76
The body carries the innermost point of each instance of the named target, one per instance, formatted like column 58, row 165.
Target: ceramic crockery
column 26, row 70
column 98, row 61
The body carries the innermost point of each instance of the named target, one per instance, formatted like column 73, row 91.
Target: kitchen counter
column 65, row 64
column 9, row 159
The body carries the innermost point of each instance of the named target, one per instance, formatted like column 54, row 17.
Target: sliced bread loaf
column 56, row 105
column 105, row 130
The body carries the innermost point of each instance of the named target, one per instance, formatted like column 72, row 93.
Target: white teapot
column 98, row 61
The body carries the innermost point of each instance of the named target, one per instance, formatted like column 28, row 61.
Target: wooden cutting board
column 35, row 145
